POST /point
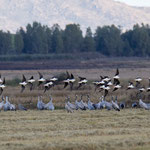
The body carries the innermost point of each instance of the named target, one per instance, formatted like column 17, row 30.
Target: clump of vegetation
column 62, row 76
column 13, row 82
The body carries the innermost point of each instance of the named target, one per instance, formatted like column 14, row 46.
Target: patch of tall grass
column 13, row 82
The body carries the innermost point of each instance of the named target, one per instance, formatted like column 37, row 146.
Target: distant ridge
column 18, row 13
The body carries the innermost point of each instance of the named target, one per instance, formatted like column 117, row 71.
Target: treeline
column 107, row 40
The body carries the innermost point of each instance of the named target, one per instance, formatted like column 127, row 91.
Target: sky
column 136, row 2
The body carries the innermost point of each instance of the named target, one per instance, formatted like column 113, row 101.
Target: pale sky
column 136, row 2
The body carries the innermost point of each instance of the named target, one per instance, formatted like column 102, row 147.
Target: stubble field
column 85, row 130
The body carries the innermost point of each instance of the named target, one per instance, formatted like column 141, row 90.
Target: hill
column 93, row 13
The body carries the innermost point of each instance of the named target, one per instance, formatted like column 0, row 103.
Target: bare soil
column 88, row 63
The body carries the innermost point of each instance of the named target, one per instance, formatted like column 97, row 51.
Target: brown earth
column 86, row 63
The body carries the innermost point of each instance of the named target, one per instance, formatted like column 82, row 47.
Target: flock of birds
column 49, row 83
column 105, row 85
column 102, row 104
column 7, row 106
column 70, row 107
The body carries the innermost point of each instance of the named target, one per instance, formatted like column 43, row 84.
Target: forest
column 107, row 40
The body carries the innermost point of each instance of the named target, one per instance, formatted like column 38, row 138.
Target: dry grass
column 125, row 73
column 29, row 99
column 87, row 130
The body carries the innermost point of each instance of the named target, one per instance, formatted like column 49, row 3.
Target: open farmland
column 86, row 130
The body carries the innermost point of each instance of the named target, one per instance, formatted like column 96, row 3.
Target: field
column 85, row 130
column 29, row 98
